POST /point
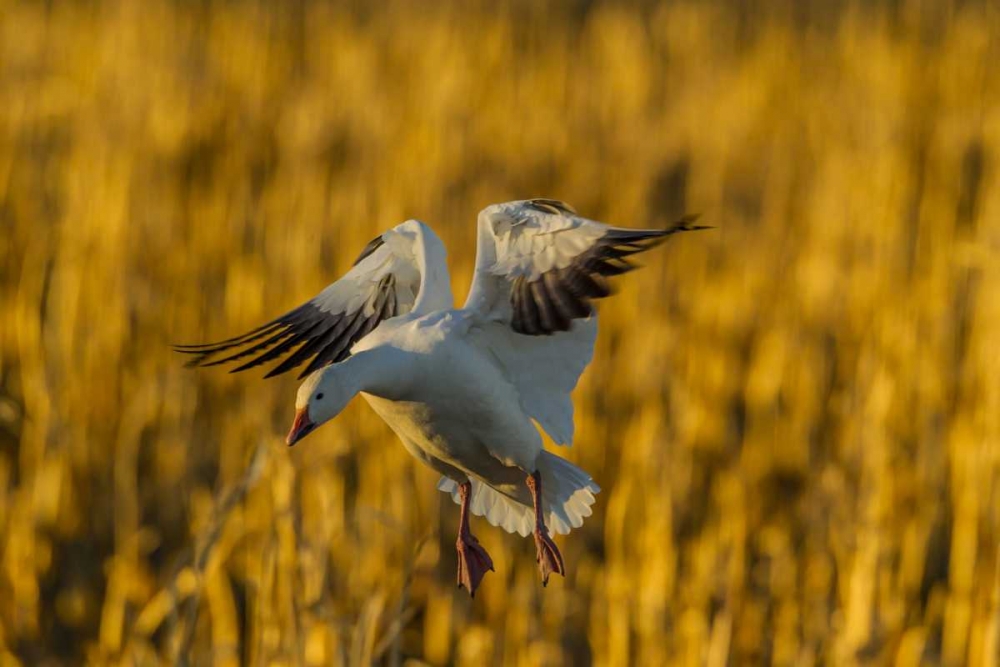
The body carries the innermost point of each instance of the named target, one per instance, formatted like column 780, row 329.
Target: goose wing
column 539, row 267
column 389, row 278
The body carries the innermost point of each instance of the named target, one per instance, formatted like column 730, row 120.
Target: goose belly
column 461, row 440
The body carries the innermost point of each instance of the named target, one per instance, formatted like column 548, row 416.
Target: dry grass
column 798, row 446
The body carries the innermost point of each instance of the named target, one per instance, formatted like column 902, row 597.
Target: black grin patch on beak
column 306, row 430
column 300, row 433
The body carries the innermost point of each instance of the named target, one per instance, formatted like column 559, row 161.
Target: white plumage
column 463, row 388
column 567, row 499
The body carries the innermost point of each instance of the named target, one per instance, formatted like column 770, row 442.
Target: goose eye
column 319, row 396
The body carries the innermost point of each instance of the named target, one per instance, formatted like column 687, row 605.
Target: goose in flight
column 463, row 388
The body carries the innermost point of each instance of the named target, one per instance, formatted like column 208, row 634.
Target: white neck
column 380, row 371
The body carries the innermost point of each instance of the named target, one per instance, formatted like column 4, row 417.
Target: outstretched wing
column 387, row 279
column 539, row 267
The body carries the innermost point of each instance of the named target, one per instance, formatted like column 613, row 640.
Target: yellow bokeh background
column 795, row 417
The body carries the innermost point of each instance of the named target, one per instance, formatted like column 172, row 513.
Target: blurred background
column 794, row 417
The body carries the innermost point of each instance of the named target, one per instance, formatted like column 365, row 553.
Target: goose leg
column 549, row 559
column 473, row 561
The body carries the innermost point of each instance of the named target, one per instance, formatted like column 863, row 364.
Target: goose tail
column 567, row 495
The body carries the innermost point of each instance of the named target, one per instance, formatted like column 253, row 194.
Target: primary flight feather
column 463, row 387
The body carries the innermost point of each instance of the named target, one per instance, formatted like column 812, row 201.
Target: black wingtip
column 186, row 349
column 191, row 352
column 686, row 224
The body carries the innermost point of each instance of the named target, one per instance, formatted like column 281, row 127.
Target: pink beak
column 301, row 427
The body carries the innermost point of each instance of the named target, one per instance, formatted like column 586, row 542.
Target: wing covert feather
column 388, row 279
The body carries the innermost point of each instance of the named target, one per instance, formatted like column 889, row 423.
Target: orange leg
column 549, row 559
column 473, row 561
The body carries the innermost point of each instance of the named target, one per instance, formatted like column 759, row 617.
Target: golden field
column 795, row 417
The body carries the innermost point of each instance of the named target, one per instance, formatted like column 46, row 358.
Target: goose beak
column 301, row 427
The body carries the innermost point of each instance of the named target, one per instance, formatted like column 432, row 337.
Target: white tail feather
column 567, row 494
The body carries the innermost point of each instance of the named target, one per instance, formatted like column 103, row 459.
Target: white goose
column 463, row 388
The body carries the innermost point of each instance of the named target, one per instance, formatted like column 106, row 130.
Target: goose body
column 458, row 412
column 463, row 388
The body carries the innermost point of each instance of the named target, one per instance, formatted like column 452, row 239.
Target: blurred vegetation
column 797, row 439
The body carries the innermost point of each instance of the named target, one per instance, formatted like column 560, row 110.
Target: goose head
column 320, row 398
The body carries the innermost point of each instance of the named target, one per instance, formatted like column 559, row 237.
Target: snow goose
column 463, row 388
